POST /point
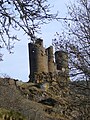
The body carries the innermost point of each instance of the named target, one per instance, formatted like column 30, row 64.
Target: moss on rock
column 10, row 115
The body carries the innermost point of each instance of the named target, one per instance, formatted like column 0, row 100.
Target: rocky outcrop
column 61, row 101
column 11, row 98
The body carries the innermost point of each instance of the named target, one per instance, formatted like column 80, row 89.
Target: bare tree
column 76, row 39
column 26, row 15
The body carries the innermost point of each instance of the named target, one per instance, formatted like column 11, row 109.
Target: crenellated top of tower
column 39, row 42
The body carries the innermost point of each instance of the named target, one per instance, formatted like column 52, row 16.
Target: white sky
column 16, row 65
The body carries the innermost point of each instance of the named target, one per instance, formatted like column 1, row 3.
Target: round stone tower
column 61, row 58
column 37, row 58
column 51, row 67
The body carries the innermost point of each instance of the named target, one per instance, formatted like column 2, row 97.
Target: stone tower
column 61, row 58
column 42, row 64
column 37, row 58
column 51, row 65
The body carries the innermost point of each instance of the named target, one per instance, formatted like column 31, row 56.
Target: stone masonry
column 42, row 63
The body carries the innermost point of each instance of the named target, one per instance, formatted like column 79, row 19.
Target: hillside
column 64, row 101
column 11, row 98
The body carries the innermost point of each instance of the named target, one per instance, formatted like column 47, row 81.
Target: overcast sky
column 16, row 65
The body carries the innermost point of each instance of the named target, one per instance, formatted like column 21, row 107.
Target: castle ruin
column 45, row 64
